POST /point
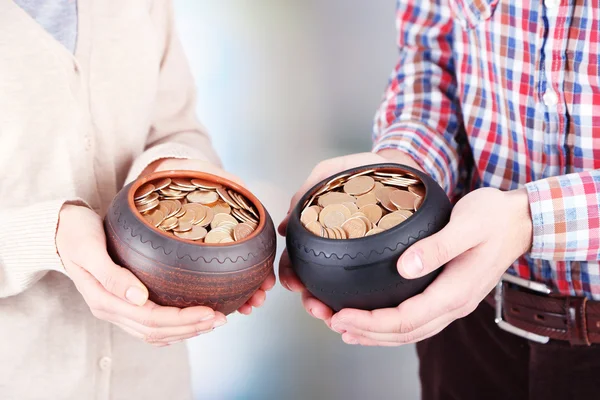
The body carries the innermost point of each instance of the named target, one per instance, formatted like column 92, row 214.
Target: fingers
column 287, row 276
column 269, row 282
column 438, row 249
column 157, row 335
column 245, row 309
column 315, row 308
column 454, row 294
column 115, row 279
column 357, row 336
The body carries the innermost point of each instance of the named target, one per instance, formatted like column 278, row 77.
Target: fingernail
column 208, row 317
column 351, row 341
column 219, row 323
column 136, row 295
column 412, row 264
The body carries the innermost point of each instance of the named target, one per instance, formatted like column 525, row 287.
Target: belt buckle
column 499, row 296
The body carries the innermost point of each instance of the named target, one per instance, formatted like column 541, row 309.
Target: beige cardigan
column 76, row 127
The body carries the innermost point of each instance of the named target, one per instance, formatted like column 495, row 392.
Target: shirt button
column 105, row 363
column 550, row 98
column 551, row 3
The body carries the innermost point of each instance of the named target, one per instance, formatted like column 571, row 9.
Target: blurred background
column 283, row 84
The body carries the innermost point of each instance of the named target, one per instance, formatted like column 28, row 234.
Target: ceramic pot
column 183, row 273
column 361, row 273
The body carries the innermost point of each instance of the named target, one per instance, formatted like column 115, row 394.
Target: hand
column 113, row 293
column 258, row 298
column 323, row 170
column 488, row 230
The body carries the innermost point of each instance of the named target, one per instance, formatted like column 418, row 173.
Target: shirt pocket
column 470, row 13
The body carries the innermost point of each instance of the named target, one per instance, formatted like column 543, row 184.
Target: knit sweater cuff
column 165, row 150
column 28, row 244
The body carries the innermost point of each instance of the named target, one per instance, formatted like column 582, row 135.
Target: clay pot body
column 183, row 273
column 362, row 273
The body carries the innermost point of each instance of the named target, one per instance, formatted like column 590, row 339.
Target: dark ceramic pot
column 183, row 273
column 361, row 273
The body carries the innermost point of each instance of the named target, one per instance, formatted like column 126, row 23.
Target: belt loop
column 577, row 330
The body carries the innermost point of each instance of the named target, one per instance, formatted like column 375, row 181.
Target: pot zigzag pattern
column 366, row 257
column 122, row 220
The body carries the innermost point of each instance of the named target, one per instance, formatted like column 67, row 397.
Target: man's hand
column 323, row 170
column 488, row 230
column 258, row 298
column 113, row 293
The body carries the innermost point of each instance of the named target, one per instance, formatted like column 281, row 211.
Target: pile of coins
column 362, row 204
column 197, row 210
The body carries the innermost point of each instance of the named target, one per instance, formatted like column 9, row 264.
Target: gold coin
column 161, row 183
column 364, row 218
column 183, row 182
column 148, row 206
column 355, row 228
column 359, row 185
column 180, row 212
column 148, row 199
column 201, row 183
column 391, row 220
column 247, row 215
column 216, row 235
column 418, row 202
column 227, row 240
column 334, row 215
column 222, row 192
column 203, row 197
column 403, row 199
column 365, row 199
column 144, row 191
column 183, row 226
column 242, row 231
column 378, row 185
column 315, row 227
column 208, row 217
column 335, row 198
column 383, row 196
column 374, row 231
column 169, row 223
column 351, row 206
column 342, row 233
column 170, row 192
column 373, row 212
column 308, row 215
column 189, row 215
column 406, row 213
column 196, row 233
column 221, row 207
column 156, row 217
column 419, row 190
column 218, row 218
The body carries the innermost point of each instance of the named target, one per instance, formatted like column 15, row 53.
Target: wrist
column 400, row 157
column 518, row 203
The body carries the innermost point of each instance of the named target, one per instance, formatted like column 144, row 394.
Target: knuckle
column 109, row 282
column 458, row 303
column 404, row 327
column 467, row 309
column 441, row 252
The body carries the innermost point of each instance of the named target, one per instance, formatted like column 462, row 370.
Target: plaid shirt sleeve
column 419, row 113
column 566, row 218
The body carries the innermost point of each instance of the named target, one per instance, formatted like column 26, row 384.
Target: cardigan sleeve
column 175, row 131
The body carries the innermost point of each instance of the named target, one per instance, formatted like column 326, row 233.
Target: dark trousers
column 474, row 359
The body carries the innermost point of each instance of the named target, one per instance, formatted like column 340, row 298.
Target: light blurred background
column 283, row 84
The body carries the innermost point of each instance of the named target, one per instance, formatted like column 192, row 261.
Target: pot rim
column 207, row 177
column 380, row 167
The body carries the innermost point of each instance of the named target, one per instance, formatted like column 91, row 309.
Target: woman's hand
column 113, row 293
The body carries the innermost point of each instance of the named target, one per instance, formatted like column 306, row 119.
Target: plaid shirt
column 502, row 93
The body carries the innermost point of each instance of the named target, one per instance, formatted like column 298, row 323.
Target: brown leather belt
column 572, row 319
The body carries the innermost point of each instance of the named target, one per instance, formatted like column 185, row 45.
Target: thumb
column 117, row 280
column 430, row 253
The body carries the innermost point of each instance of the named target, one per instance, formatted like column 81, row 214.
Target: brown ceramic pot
column 183, row 273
